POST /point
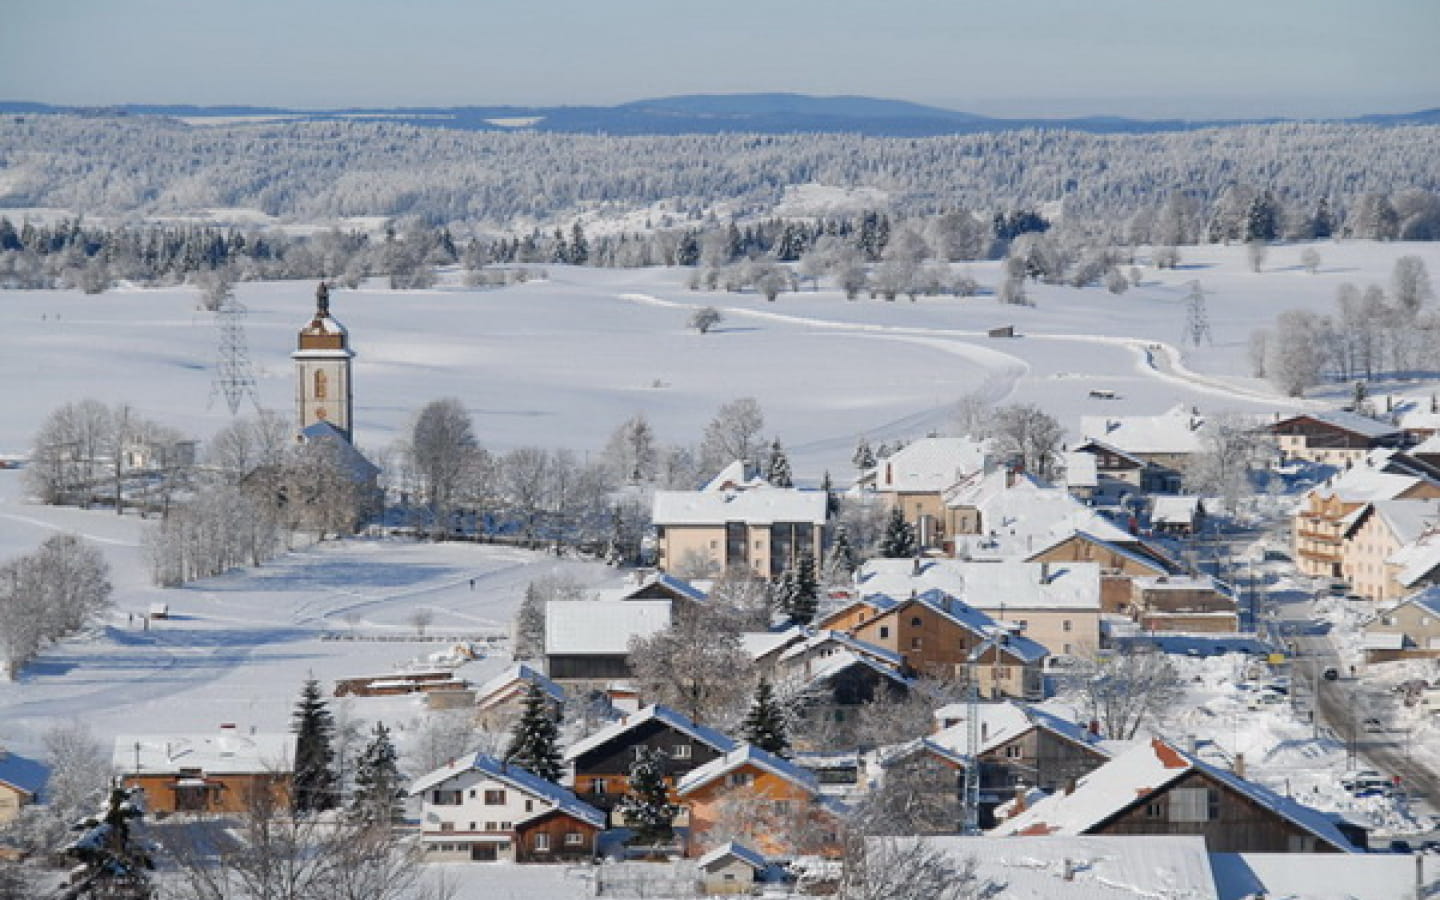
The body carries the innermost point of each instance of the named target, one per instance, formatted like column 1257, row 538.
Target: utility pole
column 970, row 792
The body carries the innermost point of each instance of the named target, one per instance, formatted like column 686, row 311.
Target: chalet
column 498, row 702
column 1322, row 519
column 764, row 530
column 655, row 586
column 1057, row 605
column 765, row 801
column 836, row 675
column 1120, row 560
column 1009, row 515
column 1166, row 442
column 601, row 762
column 1407, row 630
column 1081, row 475
column 731, row 868
column 1333, row 438
column 587, row 642
column 21, row 780
column 390, row 684
column 1118, row 472
column 1177, row 514
column 1189, row 603
column 935, row 634
column 915, row 477
column 483, row 809
column 221, row 771
column 1156, row 789
column 1415, row 565
column 1018, row 746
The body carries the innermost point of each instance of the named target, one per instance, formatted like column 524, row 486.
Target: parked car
column 1398, row 846
column 1331, row 673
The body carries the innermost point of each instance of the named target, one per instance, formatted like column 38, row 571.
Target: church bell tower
column 322, row 369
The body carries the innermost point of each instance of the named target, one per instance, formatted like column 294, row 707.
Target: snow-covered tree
column 778, row 471
column 442, row 450
column 696, row 665
column 733, row 434
column 705, row 318
column 1295, row 354
column 379, row 788
column 1410, row 283
column 646, row 808
column 530, row 625
column 764, row 724
column 1125, row 689
column 899, row 541
column 535, row 738
column 1027, row 434
column 314, row 727
column 863, row 457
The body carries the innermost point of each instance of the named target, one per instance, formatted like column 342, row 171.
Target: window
column 916, row 622
column 1066, row 625
column 680, row 751
column 542, row 841
column 1012, row 752
column 598, row 786
column 494, row 798
column 529, row 805
column 915, row 643
column 446, row 798
column 884, row 631
column 472, row 826
column 738, row 779
column 1194, row 804
column 782, row 807
column 1155, row 810
column 492, row 826
column 322, row 385
column 447, row 826
column 574, row 839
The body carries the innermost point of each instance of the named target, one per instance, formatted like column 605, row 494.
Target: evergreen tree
column 314, row 753
column 764, row 725
column 899, row 539
column 378, row 786
column 646, row 808
column 805, row 599
column 579, row 246
column 832, row 503
column 534, row 741
column 863, row 459
column 782, row 593
column 842, row 555
column 779, row 469
column 530, row 625
column 1322, row 224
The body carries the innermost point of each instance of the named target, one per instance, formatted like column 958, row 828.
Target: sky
column 1146, row 58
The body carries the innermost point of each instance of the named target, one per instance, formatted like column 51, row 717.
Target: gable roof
column 733, row 849
column 747, row 755
column 1172, row 509
column 1345, row 421
column 968, row 618
column 817, row 639
column 522, row 673
column 1087, row 447
column 22, row 773
column 1007, row 583
column 1017, row 517
column 1081, row 470
column 1417, row 560
column 225, row 751
column 927, row 465
column 520, row 779
column 351, row 460
column 757, row 506
column 1175, row 431
column 1002, row 722
column 652, row 713
column 734, row 477
column 1139, row 773
column 1131, row 548
column 601, row 626
column 1428, row 600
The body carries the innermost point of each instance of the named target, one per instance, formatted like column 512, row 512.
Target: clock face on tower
column 319, row 412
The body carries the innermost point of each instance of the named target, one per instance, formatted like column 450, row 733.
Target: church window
column 321, row 385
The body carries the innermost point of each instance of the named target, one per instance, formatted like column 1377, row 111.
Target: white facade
column 322, row 370
column 473, row 808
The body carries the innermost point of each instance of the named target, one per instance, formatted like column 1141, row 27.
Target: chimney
column 1044, row 572
column 1239, row 766
column 1192, row 744
column 915, row 568
column 1069, row 870
column 1094, row 727
column 1020, row 804
column 1069, row 786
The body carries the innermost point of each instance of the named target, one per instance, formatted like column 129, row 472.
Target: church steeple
column 322, row 369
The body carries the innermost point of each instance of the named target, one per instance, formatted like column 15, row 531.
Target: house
column 1092, row 867
column 764, row 530
column 1418, row 424
column 731, row 868
column 1018, row 746
column 601, row 762
column 762, row 800
column 1408, row 630
column 498, row 702
column 1057, row 605
column 1166, row 442
column 1245, row 876
column 587, row 642
column 483, row 809
column 1117, row 472
column 220, row 771
column 1375, row 532
column 655, row 586
column 1320, row 522
column 1120, row 560
column 1187, row 603
column 1415, row 565
column 936, row 634
column 1010, row 515
column 1081, row 475
column 1156, row 789
column 915, row 477
column 1177, row 514
column 21, row 780
column 1334, row 438
column 834, row 675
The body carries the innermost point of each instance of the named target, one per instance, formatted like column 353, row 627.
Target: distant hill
column 772, row 113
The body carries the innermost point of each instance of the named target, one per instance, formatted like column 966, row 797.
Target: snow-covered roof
column 1080, row 469
column 747, row 755
column 225, row 751
column 1427, row 446
column 1130, row 548
column 1382, row 640
column 1239, row 876
column 1420, row 420
column 817, row 640
column 735, row 850
column 512, row 680
column 1177, row 430
column 1140, row 772
column 663, row 580
column 351, row 460
column 1383, row 474
column 762, row 643
column 1200, row 582
column 757, row 506
column 831, row 664
column 1019, row 515
column 1001, row 722
column 1416, row 560
column 1348, row 421
column 1005, row 584
column 971, row 619
column 1428, row 600
column 22, row 773
column 520, row 779
column 1170, row 509
column 927, row 465
column 733, row 477
column 652, row 713
column 1408, row 519
column 1082, row 867
column 601, row 626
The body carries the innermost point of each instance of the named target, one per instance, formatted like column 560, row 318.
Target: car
column 1275, row 556
column 1331, row 674
column 1338, row 588
column 1399, row 846
column 1430, row 847
column 1357, row 598
column 1373, row 725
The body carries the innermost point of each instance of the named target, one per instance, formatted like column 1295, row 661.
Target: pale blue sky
column 1145, row 58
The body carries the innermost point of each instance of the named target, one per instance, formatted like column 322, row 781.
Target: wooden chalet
column 602, row 761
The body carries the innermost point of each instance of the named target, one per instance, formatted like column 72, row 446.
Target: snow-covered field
column 560, row 363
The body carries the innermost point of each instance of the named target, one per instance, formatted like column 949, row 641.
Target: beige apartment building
column 764, row 529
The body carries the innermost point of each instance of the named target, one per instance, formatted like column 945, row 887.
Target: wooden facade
column 200, row 793
column 602, row 774
column 554, row 837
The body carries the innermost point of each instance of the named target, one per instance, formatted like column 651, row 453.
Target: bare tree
column 705, row 318
column 1029, row 435
column 733, row 434
column 1296, row 352
column 525, row 485
column 1126, row 688
column 910, row 868
column 421, row 619
column 1310, row 260
column 696, row 665
column 442, row 447
column 632, row 451
column 1232, row 447
column 250, row 444
column 48, row 594
column 1410, row 284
